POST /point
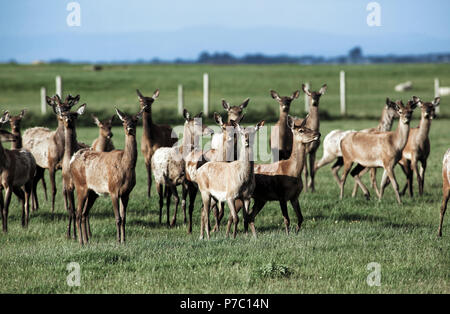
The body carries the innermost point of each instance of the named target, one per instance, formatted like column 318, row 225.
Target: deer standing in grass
column 71, row 146
column 168, row 165
column 229, row 181
column 383, row 149
column 103, row 143
column 17, row 171
column 313, row 124
column 417, row 148
column 154, row 136
column 332, row 145
column 281, row 136
column 47, row 146
column 282, row 181
column 445, row 188
column 113, row 173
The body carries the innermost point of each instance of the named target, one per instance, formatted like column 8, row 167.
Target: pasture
column 329, row 255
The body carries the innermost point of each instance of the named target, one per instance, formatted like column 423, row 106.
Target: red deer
column 103, row 143
column 113, row 173
column 154, row 136
column 445, row 188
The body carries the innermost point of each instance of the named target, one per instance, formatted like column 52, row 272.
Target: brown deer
column 282, row 181
column 103, row 143
column 168, row 165
column 229, row 181
column 114, row 173
column 281, row 136
column 154, row 136
column 445, row 188
column 47, row 146
column 71, row 146
column 381, row 149
column 17, row 171
column 418, row 147
column 313, row 124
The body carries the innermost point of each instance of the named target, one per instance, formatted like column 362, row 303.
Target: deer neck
column 60, row 134
column 424, row 129
column 247, row 163
column 147, row 121
column 18, row 143
column 130, row 152
column 401, row 135
column 102, row 142
column 4, row 160
column 70, row 143
column 386, row 121
column 313, row 120
column 297, row 159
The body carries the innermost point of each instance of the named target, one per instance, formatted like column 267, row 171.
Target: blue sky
column 31, row 29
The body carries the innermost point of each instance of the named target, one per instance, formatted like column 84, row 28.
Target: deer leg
column 215, row 209
column 296, row 205
column 81, row 200
column 257, row 206
column 28, row 191
column 406, row 167
column 184, row 193
column 160, row 190
column 373, row 179
column 445, row 197
column 312, row 160
column 91, row 197
column 347, row 168
column 192, row 190
column 176, row 198
column 168, row 196
column 149, row 177
column 415, row 169
column 38, row 176
column 356, row 172
column 21, row 196
column 51, row 172
column 335, row 169
column 116, row 208
column 6, row 208
column 245, row 212
column 123, row 214
column 360, row 174
column 284, row 211
column 394, row 183
column 423, row 167
column 305, row 169
column 206, row 198
column 233, row 214
column 72, row 217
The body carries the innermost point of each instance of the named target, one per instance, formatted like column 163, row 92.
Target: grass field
column 329, row 255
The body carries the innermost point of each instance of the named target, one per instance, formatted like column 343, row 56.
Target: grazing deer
column 281, row 136
column 282, row 181
column 168, row 164
column 332, row 144
column 103, row 143
column 17, row 170
column 71, row 146
column 313, row 124
column 47, row 146
column 418, row 147
column 114, row 173
column 229, row 181
column 445, row 188
column 382, row 149
column 154, row 136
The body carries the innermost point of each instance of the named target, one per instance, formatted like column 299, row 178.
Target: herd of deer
column 221, row 174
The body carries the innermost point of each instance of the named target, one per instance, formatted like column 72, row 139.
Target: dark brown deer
column 113, row 173
column 103, row 143
column 281, row 136
column 154, row 136
column 17, row 171
column 445, row 188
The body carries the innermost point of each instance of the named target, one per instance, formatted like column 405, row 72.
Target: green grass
column 329, row 255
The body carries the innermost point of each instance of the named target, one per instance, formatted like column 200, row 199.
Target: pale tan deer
column 17, row 171
column 71, row 146
column 229, row 181
column 103, row 143
column 445, row 188
column 282, row 181
column 168, row 165
column 154, row 136
column 313, row 124
column 113, row 173
column 47, row 146
column 382, row 149
column 417, row 148
column 281, row 136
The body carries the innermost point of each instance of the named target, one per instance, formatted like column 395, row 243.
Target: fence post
column 343, row 98
column 43, row 100
column 307, row 98
column 59, row 87
column 436, row 91
column 205, row 94
column 180, row 99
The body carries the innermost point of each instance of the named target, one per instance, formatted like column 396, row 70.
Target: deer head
column 429, row 108
column 315, row 96
column 69, row 118
column 194, row 125
column 247, row 134
column 129, row 121
column 391, row 109
column 301, row 132
column 146, row 102
column 285, row 101
column 405, row 112
column 5, row 136
column 56, row 103
column 234, row 112
column 104, row 126
column 14, row 121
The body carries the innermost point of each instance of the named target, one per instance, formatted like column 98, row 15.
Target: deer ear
column 303, row 124
column 225, row 105
column 295, row 94
column 260, row 124
column 186, row 114
column 96, row 120
column 245, row 103
column 112, row 119
column 140, row 113
column 72, row 101
column 436, row 101
column 50, row 101
column 305, row 90
column 200, row 115
column 80, row 110
column 323, row 89
column 218, row 118
column 139, row 93
column 156, row 94
column 398, row 105
column 5, row 118
column 120, row 114
column 275, row 95
column 22, row 113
